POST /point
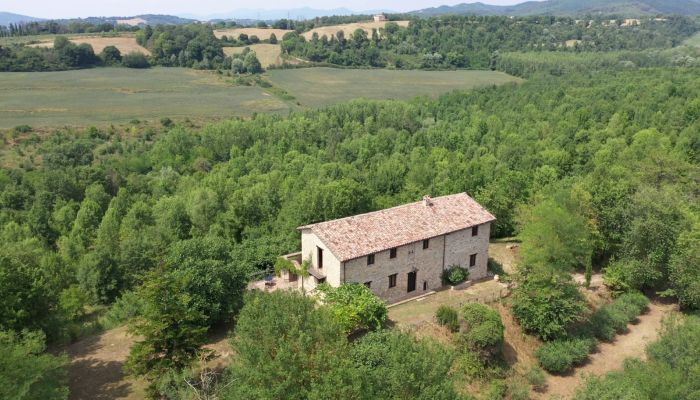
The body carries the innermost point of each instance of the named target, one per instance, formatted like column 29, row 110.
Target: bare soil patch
column 506, row 253
column 611, row 356
column 95, row 371
column 349, row 29
column 125, row 45
column 268, row 54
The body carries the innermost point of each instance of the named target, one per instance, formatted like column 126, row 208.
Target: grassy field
column 268, row 54
column 349, row 29
column 125, row 44
column 261, row 33
column 317, row 87
column 113, row 95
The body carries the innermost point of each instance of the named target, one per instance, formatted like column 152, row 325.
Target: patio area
column 419, row 311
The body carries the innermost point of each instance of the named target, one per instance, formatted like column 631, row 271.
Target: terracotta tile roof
column 360, row 235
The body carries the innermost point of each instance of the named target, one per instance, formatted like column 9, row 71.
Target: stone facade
column 427, row 264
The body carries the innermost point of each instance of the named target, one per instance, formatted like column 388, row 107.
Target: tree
column 273, row 38
column 172, row 327
column 547, row 303
column 354, row 306
column 684, row 268
column 27, row 372
column 285, row 347
column 483, row 330
column 251, row 63
column 111, row 55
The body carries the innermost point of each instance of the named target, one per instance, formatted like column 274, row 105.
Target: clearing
column 125, row 44
column 113, row 95
column 261, row 33
column 349, row 29
column 268, row 54
column 319, row 87
column 693, row 41
column 611, row 356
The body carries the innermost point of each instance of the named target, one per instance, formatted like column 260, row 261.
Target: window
column 392, row 280
column 426, row 244
column 475, row 230
column 472, row 260
column 425, row 285
column 392, row 253
column 319, row 258
column 370, row 259
column 368, row 284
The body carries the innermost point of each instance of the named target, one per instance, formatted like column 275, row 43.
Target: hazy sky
column 85, row 8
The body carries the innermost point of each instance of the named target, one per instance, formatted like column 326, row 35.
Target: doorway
column 411, row 282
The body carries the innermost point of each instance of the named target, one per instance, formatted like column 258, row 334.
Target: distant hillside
column 572, row 8
column 275, row 14
column 146, row 19
column 7, row 18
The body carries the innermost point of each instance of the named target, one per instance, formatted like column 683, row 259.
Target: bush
column 560, row 356
column 128, row 306
column 537, row 378
column 455, row 275
column 484, row 330
column 355, row 306
column 611, row 319
column 135, row 60
column 447, row 316
column 547, row 306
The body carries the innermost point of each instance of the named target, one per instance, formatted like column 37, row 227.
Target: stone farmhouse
column 380, row 18
column 399, row 252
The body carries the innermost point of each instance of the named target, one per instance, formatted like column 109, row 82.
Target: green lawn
column 318, row 87
column 113, row 95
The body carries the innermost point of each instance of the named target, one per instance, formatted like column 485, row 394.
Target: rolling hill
column 7, row 18
column 572, row 8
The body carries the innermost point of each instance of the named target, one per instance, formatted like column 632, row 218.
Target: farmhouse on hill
column 399, row 252
column 380, row 18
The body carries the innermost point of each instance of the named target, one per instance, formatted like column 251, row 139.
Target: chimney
column 427, row 201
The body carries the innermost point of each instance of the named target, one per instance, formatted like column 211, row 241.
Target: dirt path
column 95, row 372
column 612, row 355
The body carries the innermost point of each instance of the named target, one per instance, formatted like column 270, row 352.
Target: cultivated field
column 124, row 44
column 113, row 95
column 261, row 33
column 318, row 87
column 349, row 29
column 268, row 54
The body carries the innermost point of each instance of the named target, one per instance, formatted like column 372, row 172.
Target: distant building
column 399, row 252
column 380, row 18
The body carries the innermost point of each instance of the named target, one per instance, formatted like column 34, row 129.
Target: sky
column 86, row 8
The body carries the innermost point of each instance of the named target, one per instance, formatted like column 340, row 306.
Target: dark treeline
column 469, row 42
column 58, row 28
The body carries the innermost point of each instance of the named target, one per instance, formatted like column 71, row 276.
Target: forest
column 163, row 227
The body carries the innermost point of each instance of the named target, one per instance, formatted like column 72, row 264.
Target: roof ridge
column 309, row 226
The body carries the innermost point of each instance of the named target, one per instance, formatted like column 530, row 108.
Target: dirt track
column 611, row 356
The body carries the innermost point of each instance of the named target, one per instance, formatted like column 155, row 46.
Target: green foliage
column 561, row 356
column 683, row 269
column 27, row 373
column 454, row 275
column 354, row 306
column 284, row 347
column 448, row 317
column 172, row 327
column 135, row 60
column 127, row 307
column 483, row 330
column 384, row 359
column 537, row 378
column 546, row 304
column 111, row 55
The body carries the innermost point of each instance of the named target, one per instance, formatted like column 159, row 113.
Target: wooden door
column 411, row 282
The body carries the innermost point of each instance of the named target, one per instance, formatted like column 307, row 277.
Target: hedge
column 561, row 356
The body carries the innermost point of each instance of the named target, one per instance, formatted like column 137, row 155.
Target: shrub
column 547, row 305
column 613, row 318
column 560, row 356
column 447, row 316
column 537, row 378
column 455, row 275
column 354, row 306
column 484, row 330
column 135, row 60
column 128, row 306
column 518, row 390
